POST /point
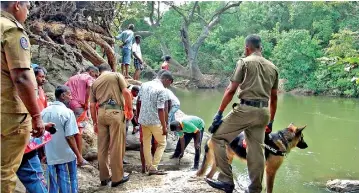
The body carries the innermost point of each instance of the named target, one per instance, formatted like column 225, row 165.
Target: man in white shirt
column 173, row 106
column 138, row 61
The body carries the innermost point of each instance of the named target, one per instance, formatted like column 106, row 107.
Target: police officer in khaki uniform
column 19, row 110
column 110, row 92
column 257, row 79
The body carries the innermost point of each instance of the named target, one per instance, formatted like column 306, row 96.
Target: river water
column 332, row 134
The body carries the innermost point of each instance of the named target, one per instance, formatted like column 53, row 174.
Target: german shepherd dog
column 277, row 145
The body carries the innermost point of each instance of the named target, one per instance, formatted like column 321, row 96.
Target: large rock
column 207, row 81
column 343, row 185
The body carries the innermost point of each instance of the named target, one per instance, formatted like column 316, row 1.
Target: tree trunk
column 195, row 72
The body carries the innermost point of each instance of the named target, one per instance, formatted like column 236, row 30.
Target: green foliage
column 344, row 44
column 295, row 56
column 294, row 36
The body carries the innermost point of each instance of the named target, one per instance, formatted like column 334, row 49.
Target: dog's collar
column 283, row 139
column 272, row 147
column 274, row 151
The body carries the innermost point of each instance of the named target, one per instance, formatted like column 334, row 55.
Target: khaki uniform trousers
column 15, row 134
column 111, row 139
column 252, row 121
column 156, row 131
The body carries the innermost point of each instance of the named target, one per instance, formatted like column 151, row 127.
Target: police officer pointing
column 257, row 79
column 19, row 110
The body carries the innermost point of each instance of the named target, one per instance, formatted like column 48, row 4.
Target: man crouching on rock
column 110, row 91
column 188, row 128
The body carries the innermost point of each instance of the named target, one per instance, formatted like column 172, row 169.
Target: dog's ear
column 300, row 130
column 291, row 125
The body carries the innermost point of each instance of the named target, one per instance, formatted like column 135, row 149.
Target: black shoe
column 174, row 156
column 125, row 162
column 226, row 187
column 105, row 182
column 124, row 179
column 195, row 168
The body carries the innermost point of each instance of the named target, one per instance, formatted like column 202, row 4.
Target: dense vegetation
column 314, row 44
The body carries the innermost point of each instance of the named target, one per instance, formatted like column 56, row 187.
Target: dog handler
column 257, row 79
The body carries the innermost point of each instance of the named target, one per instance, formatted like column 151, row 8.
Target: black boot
column 226, row 187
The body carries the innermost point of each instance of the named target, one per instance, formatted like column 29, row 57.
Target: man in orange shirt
column 40, row 75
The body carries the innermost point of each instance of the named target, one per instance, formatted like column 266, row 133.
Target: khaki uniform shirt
column 257, row 77
column 15, row 53
column 108, row 86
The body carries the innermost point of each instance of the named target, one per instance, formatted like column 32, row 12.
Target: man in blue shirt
column 62, row 151
column 126, row 37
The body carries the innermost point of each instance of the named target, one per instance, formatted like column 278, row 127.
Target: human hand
column 95, row 128
column 164, row 130
column 129, row 114
column 197, row 145
column 86, row 106
column 38, row 127
column 218, row 117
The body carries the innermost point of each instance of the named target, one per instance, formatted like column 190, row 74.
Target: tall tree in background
column 207, row 20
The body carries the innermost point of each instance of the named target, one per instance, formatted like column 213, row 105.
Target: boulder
column 338, row 185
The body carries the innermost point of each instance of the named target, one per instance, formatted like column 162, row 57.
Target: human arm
column 273, row 104
column 161, row 114
column 93, row 109
column 15, row 45
column 197, row 136
column 87, row 98
column 94, row 116
column 236, row 80
column 71, row 129
column 128, row 103
column 161, row 103
column 138, row 107
column 72, row 143
column 228, row 95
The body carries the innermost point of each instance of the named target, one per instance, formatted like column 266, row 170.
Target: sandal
column 84, row 163
column 156, row 172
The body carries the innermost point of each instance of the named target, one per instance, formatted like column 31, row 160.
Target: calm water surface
column 332, row 134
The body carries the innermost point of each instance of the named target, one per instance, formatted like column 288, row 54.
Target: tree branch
column 223, row 9
column 177, row 9
column 190, row 17
column 152, row 12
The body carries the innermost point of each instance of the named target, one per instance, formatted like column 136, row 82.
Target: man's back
column 57, row 150
column 257, row 76
column 108, row 86
column 78, row 85
column 194, row 120
column 153, row 96
column 127, row 35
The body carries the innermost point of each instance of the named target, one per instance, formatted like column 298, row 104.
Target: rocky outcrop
column 343, row 185
column 206, row 82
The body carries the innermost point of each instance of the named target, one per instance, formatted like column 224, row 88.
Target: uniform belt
column 253, row 103
column 108, row 106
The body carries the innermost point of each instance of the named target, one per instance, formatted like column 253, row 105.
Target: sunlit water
column 332, row 134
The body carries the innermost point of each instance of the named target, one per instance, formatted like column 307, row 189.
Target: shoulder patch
column 24, row 43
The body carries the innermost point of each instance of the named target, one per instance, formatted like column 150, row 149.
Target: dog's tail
column 207, row 158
